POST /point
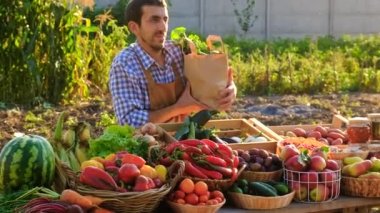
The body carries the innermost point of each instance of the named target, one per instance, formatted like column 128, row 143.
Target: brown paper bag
column 207, row 74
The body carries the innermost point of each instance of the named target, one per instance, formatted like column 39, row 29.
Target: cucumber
column 263, row 189
column 282, row 188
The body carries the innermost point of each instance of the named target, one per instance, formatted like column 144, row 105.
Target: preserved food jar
column 358, row 130
column 375, row 126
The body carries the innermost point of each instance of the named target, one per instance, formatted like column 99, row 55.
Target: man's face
column 154, row 26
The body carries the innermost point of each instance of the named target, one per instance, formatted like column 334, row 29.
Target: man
column 147, row 80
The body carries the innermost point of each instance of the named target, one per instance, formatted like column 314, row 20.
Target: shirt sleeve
column 127, row 97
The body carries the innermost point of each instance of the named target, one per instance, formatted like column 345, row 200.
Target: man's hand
column 187, row 103
column 227, row 95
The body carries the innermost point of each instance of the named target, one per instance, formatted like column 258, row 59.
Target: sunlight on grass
column 303, row 99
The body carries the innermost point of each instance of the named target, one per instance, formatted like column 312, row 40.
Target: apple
column 328, row 177
column 317, row 163
column 320, row 193
column 332, row 164
column 334, row 190
column 309, row 179
column 288, row 151
column 321, row 151
column 128, row 173
column 296, row 163
column 299, row 189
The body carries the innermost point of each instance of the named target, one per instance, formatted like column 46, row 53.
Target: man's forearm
column 165, row 114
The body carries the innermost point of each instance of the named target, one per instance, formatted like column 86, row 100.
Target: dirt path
column 270, row 110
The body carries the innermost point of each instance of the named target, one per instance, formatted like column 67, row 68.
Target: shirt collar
column 147, row 61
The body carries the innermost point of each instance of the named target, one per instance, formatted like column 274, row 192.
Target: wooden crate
column 278, row 132
column 230, row 128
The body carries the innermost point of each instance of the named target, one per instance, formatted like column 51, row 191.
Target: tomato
column 192, row 199
column 187, row 185
column 200, row 188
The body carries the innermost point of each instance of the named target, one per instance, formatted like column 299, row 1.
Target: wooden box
column 279, row 132
column 230, row 128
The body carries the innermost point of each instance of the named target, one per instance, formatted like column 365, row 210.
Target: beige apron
column 164, row 95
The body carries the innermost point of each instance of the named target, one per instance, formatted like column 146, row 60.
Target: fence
column 277, row 18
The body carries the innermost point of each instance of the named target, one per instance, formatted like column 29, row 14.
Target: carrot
column 74, row 197
column 95, row 200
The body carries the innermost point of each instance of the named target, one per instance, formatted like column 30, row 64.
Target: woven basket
column 246, row 201
column 343, row 151
column 187, row 208
column 261, row 176
column 132, row 202
column 360, row 187
column 222, row 185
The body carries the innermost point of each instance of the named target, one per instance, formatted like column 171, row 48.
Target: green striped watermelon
column 26, row 162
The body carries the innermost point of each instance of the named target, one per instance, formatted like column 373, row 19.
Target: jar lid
column 374, row 116
column 358, row 121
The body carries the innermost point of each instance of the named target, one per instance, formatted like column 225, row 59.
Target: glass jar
column 358, row 130
column 375, row 126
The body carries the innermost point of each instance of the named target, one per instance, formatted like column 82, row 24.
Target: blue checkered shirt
column 128, row 85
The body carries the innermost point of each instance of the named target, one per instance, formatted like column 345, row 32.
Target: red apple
column 328, row 177
column 309, row 179
column 317, row 163
column 321, row 151
column 332, row 164
column 334, row 190
column 288, row 151
column 320, row 193
column 300, row 132
column 300, row 190
column 128, row 173
column 296, row 163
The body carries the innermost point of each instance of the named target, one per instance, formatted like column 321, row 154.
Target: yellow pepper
column 162, row 172
column 91, row 163
column 148, row 171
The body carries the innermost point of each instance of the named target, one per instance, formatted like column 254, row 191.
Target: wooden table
column 343, row 204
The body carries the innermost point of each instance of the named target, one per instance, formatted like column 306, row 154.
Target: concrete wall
column 277, row 18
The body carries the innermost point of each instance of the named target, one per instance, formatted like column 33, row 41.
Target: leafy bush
column 49, row 52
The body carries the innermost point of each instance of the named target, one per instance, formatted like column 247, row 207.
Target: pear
column 370, row 175
column 352, row 160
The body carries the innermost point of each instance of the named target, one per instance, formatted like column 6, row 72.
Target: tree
column 245, row 16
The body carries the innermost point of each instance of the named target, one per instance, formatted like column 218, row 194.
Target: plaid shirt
column 128, row 85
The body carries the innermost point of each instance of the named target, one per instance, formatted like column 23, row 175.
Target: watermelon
column 26, row 162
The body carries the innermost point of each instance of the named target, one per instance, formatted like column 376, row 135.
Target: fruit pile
column 259, row 160
column 314, row 177
column 195, row 193
column 122, row 172
column 259, row 188
column 326, row 135
column 360, row 168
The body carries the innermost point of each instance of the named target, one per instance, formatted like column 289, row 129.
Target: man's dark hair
column 133, row 12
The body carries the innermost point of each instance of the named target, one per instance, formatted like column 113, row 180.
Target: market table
column 343, row 204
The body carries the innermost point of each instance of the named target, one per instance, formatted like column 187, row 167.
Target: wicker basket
column 132, row 202
column 187, row 208
column 261, row 176
column 246, row 201
column 212, row 184
column 360, row 187
column 304, row 183
column 343, row 151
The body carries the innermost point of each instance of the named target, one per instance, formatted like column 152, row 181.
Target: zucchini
column 263, row 189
